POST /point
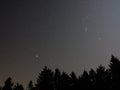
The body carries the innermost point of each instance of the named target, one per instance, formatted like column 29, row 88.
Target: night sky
column 71, row 35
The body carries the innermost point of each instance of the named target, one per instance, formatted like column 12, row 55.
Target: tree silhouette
column 57, row 79
column 0, row 88
column 92, row 77
column 65, row 81
column 8, row 84
column 30, row 85
column 45, row 80
column 100, row 78
column 115, row 72
column 73, row 81
column 18, row 87
column 85, row 80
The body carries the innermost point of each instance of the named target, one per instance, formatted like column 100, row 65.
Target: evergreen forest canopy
column 101, row 78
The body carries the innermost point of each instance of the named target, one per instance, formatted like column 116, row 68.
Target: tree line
column 101, row 78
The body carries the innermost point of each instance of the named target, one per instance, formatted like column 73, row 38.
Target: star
column 37, row 56
column 86, row 29
column 99, row 38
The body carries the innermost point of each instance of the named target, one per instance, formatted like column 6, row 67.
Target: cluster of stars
column 86, row 29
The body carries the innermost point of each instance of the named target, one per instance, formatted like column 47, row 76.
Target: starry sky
column 71, row 35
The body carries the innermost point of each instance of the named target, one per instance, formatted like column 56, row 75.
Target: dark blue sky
column 71, row 35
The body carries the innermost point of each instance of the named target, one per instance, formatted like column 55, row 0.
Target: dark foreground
column 101, row 78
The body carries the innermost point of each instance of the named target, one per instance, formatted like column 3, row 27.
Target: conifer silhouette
column 100, row 78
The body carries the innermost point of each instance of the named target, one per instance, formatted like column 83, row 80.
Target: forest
column 100, row 78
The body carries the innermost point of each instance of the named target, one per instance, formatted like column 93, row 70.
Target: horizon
column 25, row 85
